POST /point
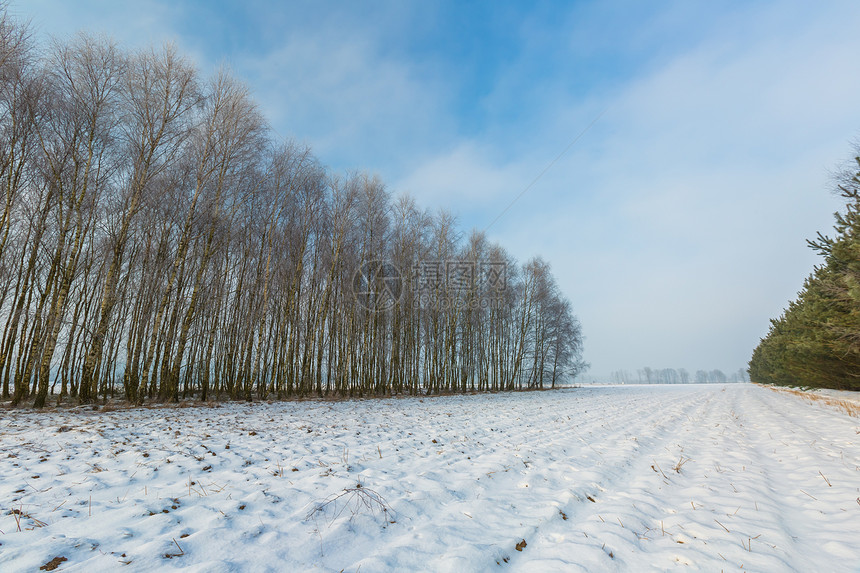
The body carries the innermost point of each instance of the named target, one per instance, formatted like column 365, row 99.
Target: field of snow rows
column 594, row 479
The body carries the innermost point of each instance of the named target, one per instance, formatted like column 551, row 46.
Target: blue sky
column 676, row 225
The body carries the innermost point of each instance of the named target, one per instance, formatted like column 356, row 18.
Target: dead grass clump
column 19, row 514
column 677, row 467
column 845, row 406
column 357, row 500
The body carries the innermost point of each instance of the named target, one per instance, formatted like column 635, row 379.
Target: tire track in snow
column 728, row 502
column 808, row 505
column 648, row 434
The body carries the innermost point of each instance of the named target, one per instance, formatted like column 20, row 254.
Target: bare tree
column 159, row 96
column 77, row 163
column 156, row 242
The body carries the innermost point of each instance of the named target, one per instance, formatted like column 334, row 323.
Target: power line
column 547, row 168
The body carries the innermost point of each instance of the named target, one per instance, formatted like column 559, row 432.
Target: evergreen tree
column 816, row 341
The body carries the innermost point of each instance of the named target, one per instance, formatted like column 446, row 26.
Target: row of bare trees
column 649, row 375
column 157, row 243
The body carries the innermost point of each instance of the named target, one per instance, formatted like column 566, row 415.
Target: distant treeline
column 649, row 375
column 157, row 242
column 816, row 340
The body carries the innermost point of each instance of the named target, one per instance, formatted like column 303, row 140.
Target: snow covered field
column 595, row 479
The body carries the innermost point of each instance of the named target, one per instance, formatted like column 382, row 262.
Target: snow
column 713, row 477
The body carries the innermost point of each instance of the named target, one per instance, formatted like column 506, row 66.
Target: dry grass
column 677, row 467
column 357, row 500
column 845, row 406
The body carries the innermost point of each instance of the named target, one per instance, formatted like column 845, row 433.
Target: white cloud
column 467, row 179
column 359, row 106
column 135, row 24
